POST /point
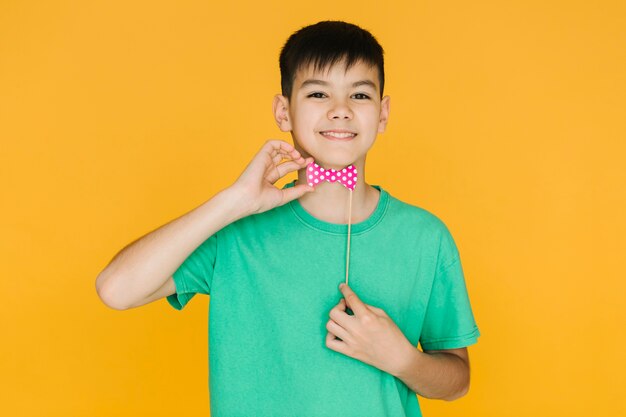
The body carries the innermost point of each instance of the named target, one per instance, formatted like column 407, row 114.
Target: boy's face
column 326, row 105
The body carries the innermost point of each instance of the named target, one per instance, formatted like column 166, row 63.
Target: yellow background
column 507, row 121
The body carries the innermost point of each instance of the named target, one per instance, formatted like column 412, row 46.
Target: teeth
column 338, row 135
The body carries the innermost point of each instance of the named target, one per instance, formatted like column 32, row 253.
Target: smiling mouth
column 334, row 135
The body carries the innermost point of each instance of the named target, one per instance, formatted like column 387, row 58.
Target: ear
column 384, row 114
column 280, row 107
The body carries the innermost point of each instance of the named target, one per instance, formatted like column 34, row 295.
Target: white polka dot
column 310, row 176
column 332, row 178
column 310, row 168
column 322, row 169
column 343, row 170
column 311, row 184
column 317, row 173
column 349, row 174
column 344, row 178
column 322, row 177
column 349, row 182
column 316, row 180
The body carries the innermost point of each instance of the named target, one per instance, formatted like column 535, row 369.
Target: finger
column 297, row 191
column 286, row 149
column 338, row 331
column 340, row 316
column 273, row 173
column 338, row 312
column 295, row 155
column 274, row 147
column 278, row 156
column 276, row 144
column 291, row 151
column 290, row 154
column 269, row 155
column 287, row 167
column 276, row 151
column 353, row 301
column 335, row 344
column 274, row 170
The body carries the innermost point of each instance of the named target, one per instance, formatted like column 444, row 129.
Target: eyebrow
column 324, row 83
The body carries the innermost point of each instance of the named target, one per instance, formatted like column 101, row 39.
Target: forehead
column 337, row 72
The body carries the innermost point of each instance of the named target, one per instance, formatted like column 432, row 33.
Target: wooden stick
column 348, row 249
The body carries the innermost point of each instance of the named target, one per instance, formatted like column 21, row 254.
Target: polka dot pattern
column 346, row 176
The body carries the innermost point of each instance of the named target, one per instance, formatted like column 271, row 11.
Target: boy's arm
column 144, row 266
column 437, row 374
column 371, row 336
column 142, row 271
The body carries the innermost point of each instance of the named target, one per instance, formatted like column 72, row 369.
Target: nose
column 340, row 110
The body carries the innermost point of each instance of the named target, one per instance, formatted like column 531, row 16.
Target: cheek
column 370, row 119
column 299, row 114
column 304, row 122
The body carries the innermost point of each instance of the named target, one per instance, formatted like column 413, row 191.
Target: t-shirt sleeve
column 195, row 274
column 449, row 322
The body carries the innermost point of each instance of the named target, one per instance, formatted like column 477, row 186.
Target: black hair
column 326, row 43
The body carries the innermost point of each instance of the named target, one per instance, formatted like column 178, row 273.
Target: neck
column 330, row 201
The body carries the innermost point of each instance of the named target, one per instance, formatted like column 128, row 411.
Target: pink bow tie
column 346, row 176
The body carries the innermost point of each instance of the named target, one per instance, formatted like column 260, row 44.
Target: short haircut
column 324, row 44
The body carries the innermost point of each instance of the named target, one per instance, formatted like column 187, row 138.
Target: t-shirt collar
column 336, row 228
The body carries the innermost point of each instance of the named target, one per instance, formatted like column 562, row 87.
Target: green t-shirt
column 273, row 278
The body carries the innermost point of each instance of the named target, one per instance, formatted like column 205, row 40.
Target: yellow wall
column 507, row 121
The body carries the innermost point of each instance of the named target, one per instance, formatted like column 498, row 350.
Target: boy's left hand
column 370, row 335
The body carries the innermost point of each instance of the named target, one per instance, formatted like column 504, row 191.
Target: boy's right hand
column 256, row 182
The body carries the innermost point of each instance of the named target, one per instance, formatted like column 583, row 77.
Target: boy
column 281, row 340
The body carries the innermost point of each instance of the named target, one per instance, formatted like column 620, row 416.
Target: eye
column 364, row 96
column 316, row 95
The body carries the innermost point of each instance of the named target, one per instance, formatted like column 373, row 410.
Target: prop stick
column 348, row 248
column 346, row 177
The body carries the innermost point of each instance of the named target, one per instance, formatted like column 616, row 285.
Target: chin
column 334, row 163
column 329, row 158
